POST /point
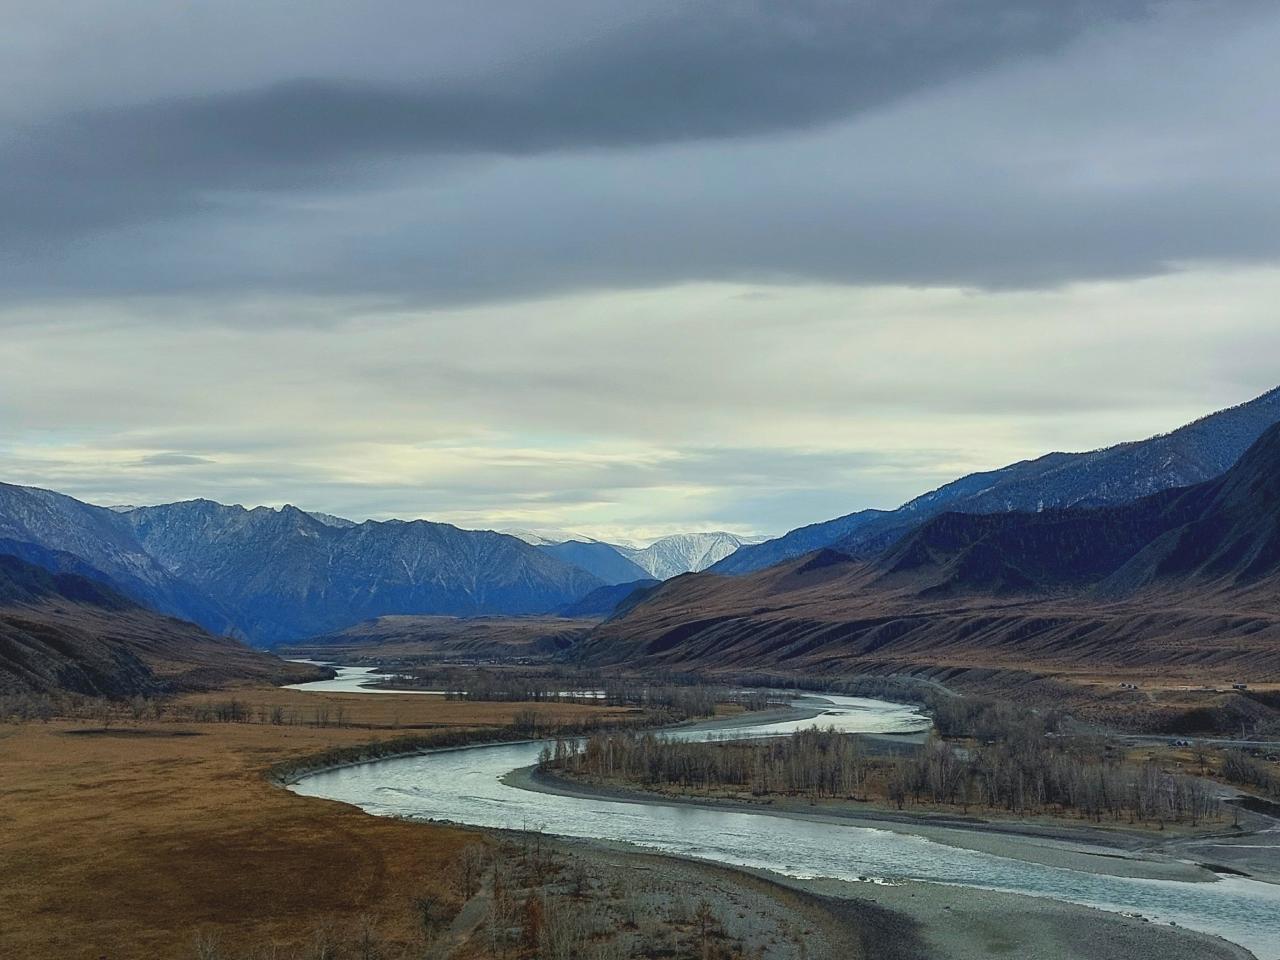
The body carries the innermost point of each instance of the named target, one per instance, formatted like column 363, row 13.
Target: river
column 366, row 679
column 465, row 786
column 351, row 680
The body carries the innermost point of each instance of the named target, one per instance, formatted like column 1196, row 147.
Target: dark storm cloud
column 695, row 72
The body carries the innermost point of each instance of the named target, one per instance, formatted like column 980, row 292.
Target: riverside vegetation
column 674, row 693
column 983, row 756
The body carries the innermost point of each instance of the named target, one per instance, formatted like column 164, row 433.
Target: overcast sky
column 623, row 267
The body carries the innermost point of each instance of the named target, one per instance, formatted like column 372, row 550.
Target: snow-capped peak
column 685, row 552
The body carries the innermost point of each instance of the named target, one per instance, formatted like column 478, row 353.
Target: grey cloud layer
column 687, row 72
column 697, row 406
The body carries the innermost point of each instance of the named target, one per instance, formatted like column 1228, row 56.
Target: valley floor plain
column 134, row 841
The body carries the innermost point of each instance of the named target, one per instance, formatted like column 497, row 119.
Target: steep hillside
column 1222, row 535
column 54, row 561
column 62, row 631
column 288, row 575
column 1186, row 581
column 41, row 524
column 601, row 560
column 605, row 601
column 1192, row 454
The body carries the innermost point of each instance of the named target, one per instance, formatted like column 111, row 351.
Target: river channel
column 466, row 786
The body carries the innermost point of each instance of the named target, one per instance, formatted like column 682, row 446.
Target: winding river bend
column 465, row 786
column 351, row 680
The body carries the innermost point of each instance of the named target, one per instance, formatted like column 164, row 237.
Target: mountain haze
column 607, row 600
column 660, row 559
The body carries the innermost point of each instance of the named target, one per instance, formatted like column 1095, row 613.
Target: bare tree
column 468, row 870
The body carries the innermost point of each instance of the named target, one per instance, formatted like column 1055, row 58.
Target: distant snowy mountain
column 545, row 537
column 661, row 559
column 685, row 552
column 329, row 520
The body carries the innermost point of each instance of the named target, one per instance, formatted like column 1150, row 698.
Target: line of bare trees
column 1028, row 776
column 1020, row 773
column 814, row 762
column 678, row 701
column 1243, row 768
column 139, row 709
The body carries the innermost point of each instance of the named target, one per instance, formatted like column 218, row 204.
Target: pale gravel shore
column 927, row 921
column 964, row 923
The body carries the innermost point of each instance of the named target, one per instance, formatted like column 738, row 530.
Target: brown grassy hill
column 454, row 638
column 842, row 617
column 65, row 632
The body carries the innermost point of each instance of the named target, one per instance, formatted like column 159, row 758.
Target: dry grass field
column 132, row 842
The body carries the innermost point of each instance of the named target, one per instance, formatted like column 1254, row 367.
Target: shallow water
column 360, row 680
column 464, row 786
column 846, row 714
column 350, row 680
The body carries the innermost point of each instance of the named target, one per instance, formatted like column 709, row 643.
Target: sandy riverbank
column 925, row 921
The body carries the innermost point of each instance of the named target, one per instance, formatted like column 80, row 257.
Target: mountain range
column 1187, row 579
column 1030, row 550
column 1191, row 454
column 274, row 575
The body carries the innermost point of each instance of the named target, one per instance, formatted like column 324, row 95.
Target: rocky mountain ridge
column 1185, row 581
column 1199, row 451
column 70, row 633
column 273, row 575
